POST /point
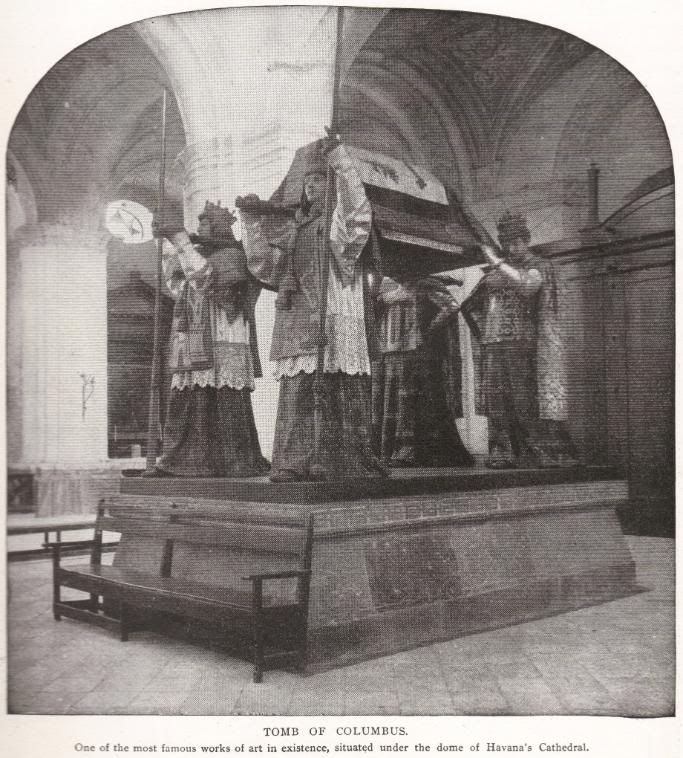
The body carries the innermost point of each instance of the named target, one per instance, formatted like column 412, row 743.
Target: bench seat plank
column 111, row 577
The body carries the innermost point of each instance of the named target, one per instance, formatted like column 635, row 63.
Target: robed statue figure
column 287, row 252
column 416, row 382
column 514, row 315
column 212, row 356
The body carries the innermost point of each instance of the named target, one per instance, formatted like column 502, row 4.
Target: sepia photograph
column 340, row 355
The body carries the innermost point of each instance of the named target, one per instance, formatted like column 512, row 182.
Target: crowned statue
column 213, row 356
column 514, row 315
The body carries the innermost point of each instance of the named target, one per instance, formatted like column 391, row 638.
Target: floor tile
column 51, row 703
column 103, row 702
column 481, row 698
column 530, row 697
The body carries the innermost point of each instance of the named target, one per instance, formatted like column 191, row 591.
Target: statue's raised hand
column 331, row 141
column 247, row 202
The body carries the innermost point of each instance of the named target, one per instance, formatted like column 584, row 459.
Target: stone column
column 252, row 85
column 63, row 283
column 60, row 375
column 14, row 417
column 220, row 168
column 209, row 171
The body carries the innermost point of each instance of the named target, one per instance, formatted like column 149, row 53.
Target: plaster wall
column 597, row 112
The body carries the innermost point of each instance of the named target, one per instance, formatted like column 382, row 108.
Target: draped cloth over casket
column 551, row 382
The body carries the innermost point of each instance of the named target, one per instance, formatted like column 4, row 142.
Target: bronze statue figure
column 514, row 315
column 213, row 355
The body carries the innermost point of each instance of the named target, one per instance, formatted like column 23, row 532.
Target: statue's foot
column 499, row 462
column 567, row 461
column 539, row 457
column 405, row 457
column 286, row 475
column 317, row 473
column 379, row 469
column 156, row 473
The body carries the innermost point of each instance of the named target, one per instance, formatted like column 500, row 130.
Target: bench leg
column 56, row 586
column 303, row 656
column 123, row 622
column 302, row 635
column 257, row 628
column 258, row 654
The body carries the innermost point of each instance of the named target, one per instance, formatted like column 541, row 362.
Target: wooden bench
column 50, row 526
column 127, row 596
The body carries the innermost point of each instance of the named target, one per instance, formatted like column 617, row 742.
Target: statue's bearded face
column 204, row 228
column 314, row 187
column 518, row 248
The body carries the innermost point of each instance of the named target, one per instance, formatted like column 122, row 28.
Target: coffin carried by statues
column 419, row 225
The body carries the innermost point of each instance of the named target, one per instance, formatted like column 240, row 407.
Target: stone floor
column 613, row 659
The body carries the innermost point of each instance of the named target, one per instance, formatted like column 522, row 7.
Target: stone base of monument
column 393, row 573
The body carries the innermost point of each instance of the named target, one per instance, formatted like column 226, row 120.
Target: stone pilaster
column 14, row 356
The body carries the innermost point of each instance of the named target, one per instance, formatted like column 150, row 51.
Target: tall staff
column 324, row 257
column 153, row 422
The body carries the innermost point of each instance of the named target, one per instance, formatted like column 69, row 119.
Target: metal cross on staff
column 153, row 422
column 319, row 400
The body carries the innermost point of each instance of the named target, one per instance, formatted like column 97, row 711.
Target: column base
column 59, row 489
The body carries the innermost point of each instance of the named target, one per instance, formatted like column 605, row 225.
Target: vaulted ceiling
column 90, row 129
column 459, row 81
column 448, row 90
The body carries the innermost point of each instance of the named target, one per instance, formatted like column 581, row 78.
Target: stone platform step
column 401, row 483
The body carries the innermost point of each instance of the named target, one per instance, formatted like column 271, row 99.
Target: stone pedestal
column 442, row 560
column 392, row 575
column 62, row 490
